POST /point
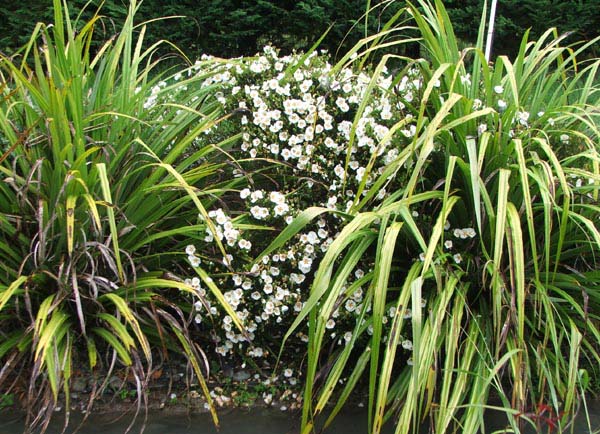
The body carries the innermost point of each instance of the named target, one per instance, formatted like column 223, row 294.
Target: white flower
column 522, row 117
column 267, row 398
column 280, row 295
column 312, row 237
column 276, row 197
column 227, row 260
column 194, row 261
column 564, row 138
column 339, row 171
column 350, row 305
column 342, row 104
column 347, row 336
column 297, row 278
column 407, row 344
column 498, row 89
column 286, row 154
column 457, row 258
column 330, row 143
column 296, row 151
column 244, row 244
column 470, row 232
column 305, row 86
column 305, row 264
column 465, row 233
column 245, row 193
column 502, row 104
column 288, row 373
column 281, row 209
column 330, row 324
column 259, row 212
column 410, row 132
column 448, row 244
column 360, row 172
column 269, row 307
column 256, row 195
column 190, row 250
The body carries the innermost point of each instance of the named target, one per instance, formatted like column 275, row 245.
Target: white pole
column 490, row 34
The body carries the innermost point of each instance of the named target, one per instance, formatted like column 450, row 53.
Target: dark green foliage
column 514, row 17
column 224, row 28
column 229, row 28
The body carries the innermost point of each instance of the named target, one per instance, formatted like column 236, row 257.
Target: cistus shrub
column 307, row 137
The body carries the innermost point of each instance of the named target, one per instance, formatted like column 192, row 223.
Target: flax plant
column 485, row 261
column 101, row 174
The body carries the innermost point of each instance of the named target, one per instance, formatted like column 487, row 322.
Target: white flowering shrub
column 307, row 137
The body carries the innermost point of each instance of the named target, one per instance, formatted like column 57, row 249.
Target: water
column 255, row 421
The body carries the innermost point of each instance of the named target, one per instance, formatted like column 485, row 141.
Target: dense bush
column 308, row 136
column 515, row 17
column 226, row 28
column 232, row 28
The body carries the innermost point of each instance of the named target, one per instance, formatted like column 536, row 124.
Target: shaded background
column 229, row 28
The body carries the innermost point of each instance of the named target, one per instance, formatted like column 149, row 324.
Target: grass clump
column 95, row 195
